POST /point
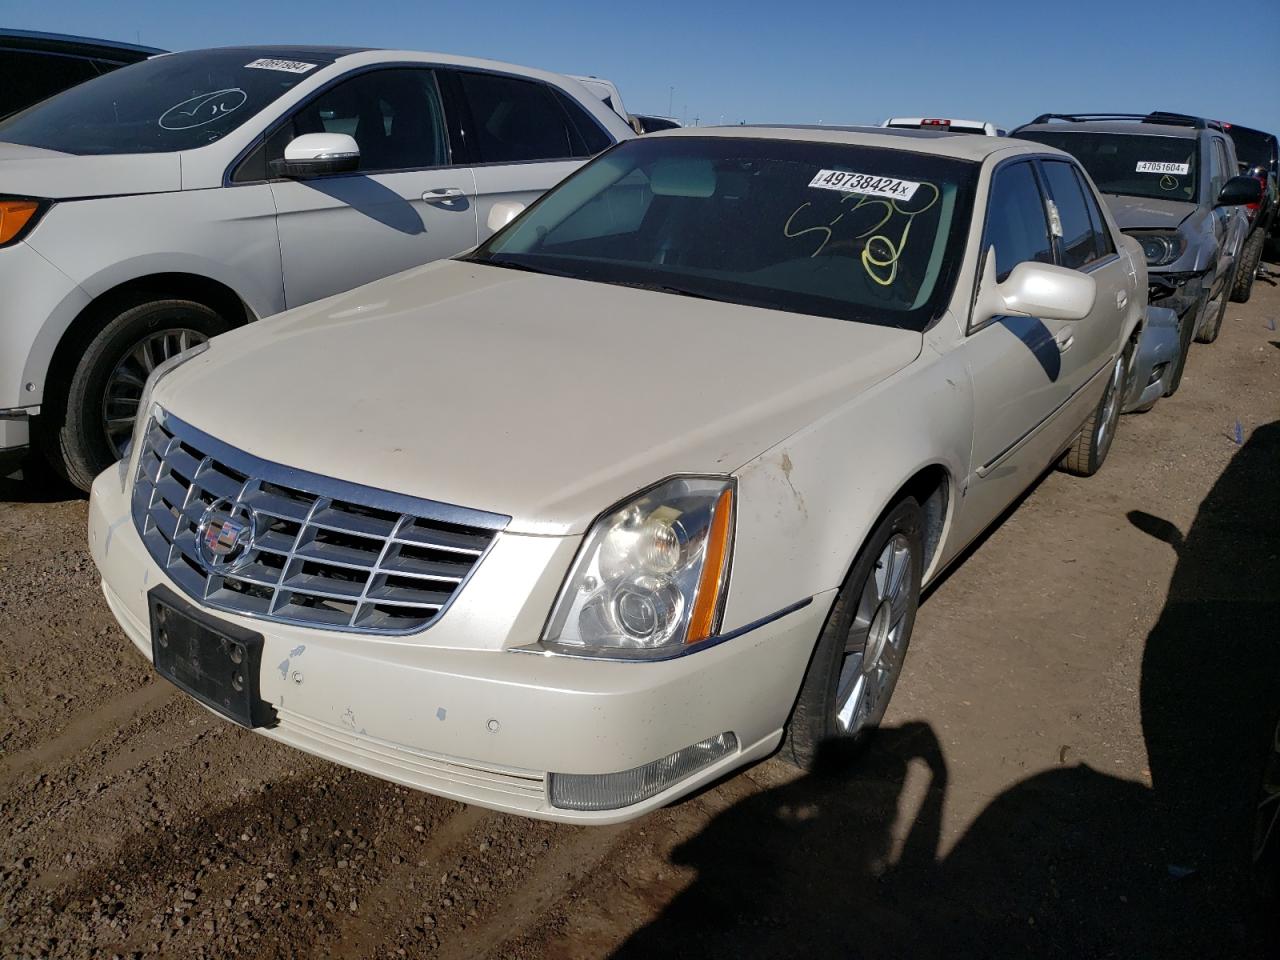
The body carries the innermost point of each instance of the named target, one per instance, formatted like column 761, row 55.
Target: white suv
column 172, row 200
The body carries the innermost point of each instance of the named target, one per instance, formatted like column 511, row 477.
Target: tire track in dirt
column 87, row 729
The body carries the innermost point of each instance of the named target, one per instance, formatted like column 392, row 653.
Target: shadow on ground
column 34, row 482
column 1072, row 862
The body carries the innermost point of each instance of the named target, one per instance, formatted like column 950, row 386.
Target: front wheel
column 860, row 653
column 1217, row 309
column 1250, row 257
column 87, row 431
column 1186, row 331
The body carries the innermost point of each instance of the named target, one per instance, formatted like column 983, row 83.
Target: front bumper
column 488, row 726
column 1154, row 360
column 15, row 437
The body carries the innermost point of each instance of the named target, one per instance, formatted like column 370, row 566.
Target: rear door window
column 1016, row 223
column 515, row 120
column 1078, row 244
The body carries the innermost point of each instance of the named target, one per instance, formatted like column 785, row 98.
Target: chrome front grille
column 321, row 552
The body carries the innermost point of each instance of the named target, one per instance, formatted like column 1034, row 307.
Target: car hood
column 1138, row 213
column 33, row 172
column 538, row 397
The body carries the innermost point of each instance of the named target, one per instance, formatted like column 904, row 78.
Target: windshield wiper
column 514, row 265
column 658, row 287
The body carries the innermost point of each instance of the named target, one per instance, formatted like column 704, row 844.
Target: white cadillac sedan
column 640, row 490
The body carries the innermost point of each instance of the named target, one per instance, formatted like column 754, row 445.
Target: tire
column 1209, row 329
column 877, row 607
column 1186, row 333
column 1090, row 449
column 1250, row 257
column 73, row 432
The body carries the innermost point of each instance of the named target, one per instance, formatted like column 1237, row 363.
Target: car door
column 1015, row 363
column 1084, row 243
column 523, row 136
column 406, row 204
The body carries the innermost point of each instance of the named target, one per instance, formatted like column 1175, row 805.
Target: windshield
column 1134, row 165
column 175, row 102
column 855, row 233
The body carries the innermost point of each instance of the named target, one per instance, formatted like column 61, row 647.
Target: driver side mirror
column 1034, row 289
column 1240, row 190
column 318, row 155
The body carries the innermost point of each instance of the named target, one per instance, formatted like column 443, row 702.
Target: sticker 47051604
column 1154, row 166
column 287, row 66
column 865, row 183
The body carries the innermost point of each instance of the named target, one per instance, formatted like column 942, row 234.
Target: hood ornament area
column 225, row 536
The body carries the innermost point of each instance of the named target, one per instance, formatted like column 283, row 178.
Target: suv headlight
column 18, row 215
column 1161, row 248
column 143, row 416
column 650, row 577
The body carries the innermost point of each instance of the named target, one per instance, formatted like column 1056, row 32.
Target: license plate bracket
column 216, row 662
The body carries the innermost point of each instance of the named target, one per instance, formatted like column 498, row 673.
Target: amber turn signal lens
column 702, row 620
column 14, row 216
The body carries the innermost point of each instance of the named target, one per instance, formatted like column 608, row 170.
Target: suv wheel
column 1211, row 325
column 1186, row 330
column 87, row 433
column 1250, row 257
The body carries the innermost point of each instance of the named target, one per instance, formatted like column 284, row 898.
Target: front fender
column 806, row 505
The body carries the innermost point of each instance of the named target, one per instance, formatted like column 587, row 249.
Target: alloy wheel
column 1110, row 410
column 124, row 387
column 877, row 639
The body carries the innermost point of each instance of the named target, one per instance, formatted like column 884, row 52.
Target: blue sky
column 772, row 61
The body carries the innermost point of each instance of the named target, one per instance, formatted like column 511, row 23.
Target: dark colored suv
column 38, row 65
column 1171, row 183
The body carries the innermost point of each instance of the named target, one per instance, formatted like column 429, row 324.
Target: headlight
column 650, row 576
column 143, row 416
column 18, row 215
column 1160, row 249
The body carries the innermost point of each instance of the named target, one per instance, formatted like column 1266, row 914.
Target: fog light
column 609, row 791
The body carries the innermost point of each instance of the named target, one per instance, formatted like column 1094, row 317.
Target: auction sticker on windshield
column 1155, row 166
column 865, row 183
column 286, row 66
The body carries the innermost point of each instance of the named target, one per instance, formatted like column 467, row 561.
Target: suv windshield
column 174, row 102
column 1134, row 165
column 855, row 233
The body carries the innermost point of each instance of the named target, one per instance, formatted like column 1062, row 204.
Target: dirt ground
column 1066, row 771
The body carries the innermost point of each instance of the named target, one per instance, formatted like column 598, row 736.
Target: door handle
column 443, row 195
column 1122, row 299
column 1064, row 341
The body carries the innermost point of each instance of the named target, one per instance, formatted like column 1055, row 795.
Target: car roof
column 962, row 146
column 284, row 51
column 67, row 43
column 1115, row 126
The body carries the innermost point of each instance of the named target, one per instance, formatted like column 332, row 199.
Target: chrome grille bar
column 324, row 553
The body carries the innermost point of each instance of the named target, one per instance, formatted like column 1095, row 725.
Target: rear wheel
column 1250, row 257
column 87, row 431
column 1087, row 454
column 860, row 653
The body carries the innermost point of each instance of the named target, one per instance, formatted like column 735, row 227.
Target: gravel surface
column 1066, row 770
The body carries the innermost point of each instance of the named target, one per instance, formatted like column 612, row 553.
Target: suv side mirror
column 317, row 155
column 1240, row 190
column 1034, row 290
